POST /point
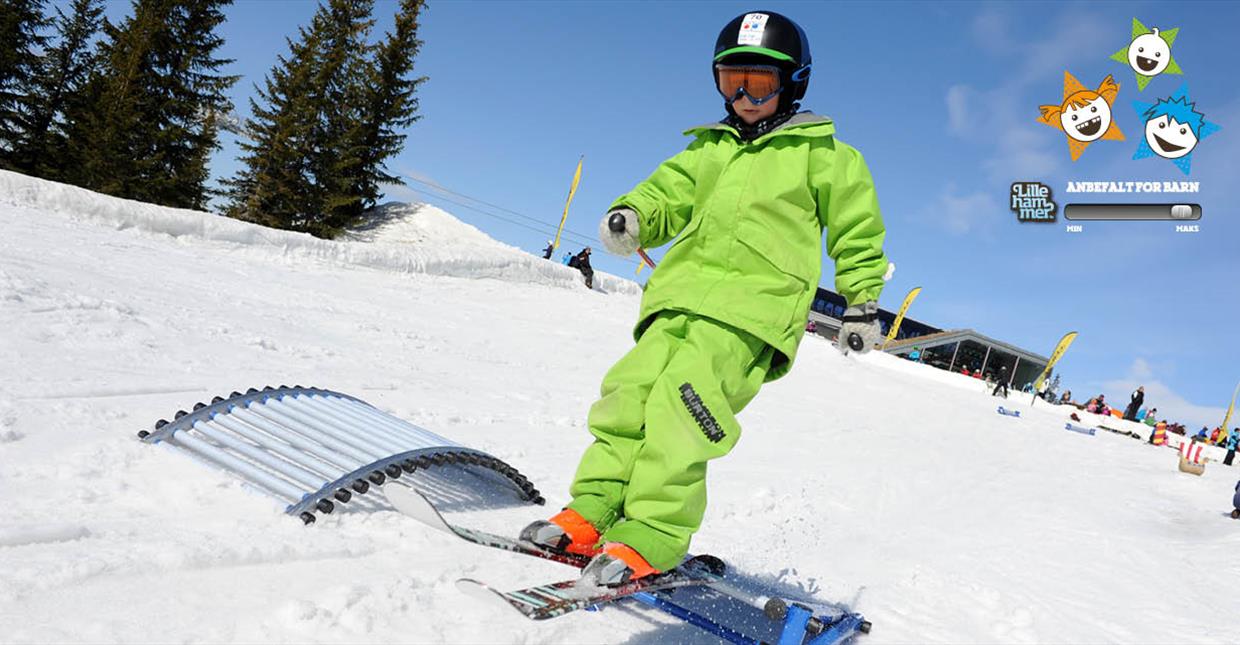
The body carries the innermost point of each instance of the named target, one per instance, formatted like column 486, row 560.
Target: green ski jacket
column 748, row 218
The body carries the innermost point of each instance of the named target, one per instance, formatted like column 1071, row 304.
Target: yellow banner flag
column 1231, row 408
column 895, row 326
column 571, row 191
column 1055, row 356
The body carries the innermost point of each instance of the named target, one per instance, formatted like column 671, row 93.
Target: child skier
column 726, row 308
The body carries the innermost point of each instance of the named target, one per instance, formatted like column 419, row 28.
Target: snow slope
column 872, row 481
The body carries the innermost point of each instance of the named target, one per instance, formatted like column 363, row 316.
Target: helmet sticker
column 752, row 29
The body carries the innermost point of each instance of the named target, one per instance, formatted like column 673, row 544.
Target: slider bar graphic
column 1168, row 212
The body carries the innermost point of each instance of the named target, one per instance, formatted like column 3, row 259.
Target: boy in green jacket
column 726, row 308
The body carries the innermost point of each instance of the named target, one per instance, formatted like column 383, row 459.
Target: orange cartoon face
column 1084, row 115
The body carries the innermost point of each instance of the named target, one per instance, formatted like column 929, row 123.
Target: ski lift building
column 948, row 349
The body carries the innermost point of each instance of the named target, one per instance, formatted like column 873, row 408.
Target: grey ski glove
column 618, row 230
column 860, row 331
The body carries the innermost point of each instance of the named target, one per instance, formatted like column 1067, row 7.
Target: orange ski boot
column 567, row 531
column 616, row 565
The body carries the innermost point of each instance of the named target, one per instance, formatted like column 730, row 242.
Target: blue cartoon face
column 1169, row 138
column 1149, row 54
column 1173, row 128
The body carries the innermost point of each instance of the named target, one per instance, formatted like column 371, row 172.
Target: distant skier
column 725, row 310
column 581, row 262
column 1235, row 502
column 549, row 250
column 1134, row 404
column 1002, row 382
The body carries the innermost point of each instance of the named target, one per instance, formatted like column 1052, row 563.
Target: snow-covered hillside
column 881, row 484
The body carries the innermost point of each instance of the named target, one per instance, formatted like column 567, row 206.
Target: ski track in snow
column 867, row 482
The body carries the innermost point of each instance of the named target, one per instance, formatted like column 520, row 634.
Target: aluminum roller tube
column 425, row 437
column 381, row 423
column 323, row 469
column 296, row 420
column 326, row 414
column 290, row 471
column 317, row 449
column 348, row 450
column 282, row 489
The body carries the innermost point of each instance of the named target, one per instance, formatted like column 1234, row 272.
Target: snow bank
column 413, row 238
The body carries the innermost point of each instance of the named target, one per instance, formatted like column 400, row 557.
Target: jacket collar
column 803, row 124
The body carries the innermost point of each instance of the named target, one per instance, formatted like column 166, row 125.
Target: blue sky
column 941, row 98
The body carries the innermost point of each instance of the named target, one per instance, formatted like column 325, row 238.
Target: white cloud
column 958, row 97
column 398, row 193
column 1003, row 118
column 965, row 213
column 421, row 178
column 990, row 30
column 1171, row 405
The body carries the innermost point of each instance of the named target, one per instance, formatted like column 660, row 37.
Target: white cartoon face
column 1169, row 138
column 1149, row 54
column 1087, row 123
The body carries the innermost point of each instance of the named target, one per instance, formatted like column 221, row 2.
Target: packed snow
column 887, row 486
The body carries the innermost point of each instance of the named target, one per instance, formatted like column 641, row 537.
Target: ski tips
column 487, row 595
column 411, row 502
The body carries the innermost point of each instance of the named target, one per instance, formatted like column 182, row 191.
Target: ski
column 552, row 600
column 412, row 503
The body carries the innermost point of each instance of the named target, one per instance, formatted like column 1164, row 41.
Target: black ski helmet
column 767, row 38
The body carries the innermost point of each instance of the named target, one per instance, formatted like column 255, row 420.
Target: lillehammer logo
column 1032, row 202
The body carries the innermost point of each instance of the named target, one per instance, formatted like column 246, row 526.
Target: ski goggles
column 758, row 82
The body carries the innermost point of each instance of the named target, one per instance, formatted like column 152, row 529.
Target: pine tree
column 327, row 121
column 275, row 187
column 147, row 124
column 62, row 72
column 389, row 103
column 21, row 44
column 194, row 99
column 300, row 166
column 342, row 75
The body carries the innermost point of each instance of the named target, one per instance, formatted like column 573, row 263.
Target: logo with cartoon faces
column 1084, row 115
column 1149, row 53
column 1173, row 128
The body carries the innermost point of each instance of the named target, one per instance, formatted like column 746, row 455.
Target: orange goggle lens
column 755, row 81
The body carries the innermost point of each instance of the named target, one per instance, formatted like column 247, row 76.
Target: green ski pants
column 667, row 407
